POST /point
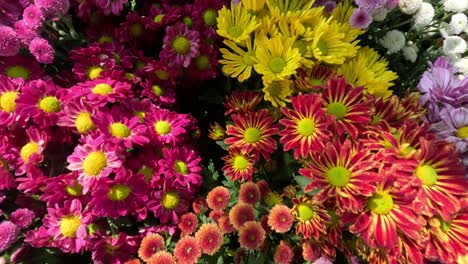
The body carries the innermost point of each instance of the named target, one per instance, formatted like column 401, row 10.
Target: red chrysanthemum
column 210, row 238
column 280, row 218
column 187, row 250
column 150, row 245
column 241, row 213
column 305, row 126
column 284, row 254
column 242, row 102
column 251, row 235
column 188, row 223
column 218, row 198
column 249, row 193
column 253, row 132
column 314, row 79
column 240, row 165
column 162, row 257
column 312, row 217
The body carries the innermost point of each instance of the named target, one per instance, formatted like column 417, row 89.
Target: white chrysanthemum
column 410, row 53
column 424, row 15
column 409, row 7
column 454, row 45
column 456, row 5
column 379, row 14
column 393, row 41
column 458, row 23
column 444, row 29
column 462, row 65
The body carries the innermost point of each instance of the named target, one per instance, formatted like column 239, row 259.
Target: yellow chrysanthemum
column 369, row 69
column 268, row 27
column 328, row 44
column 236, row 23
column 276, row 58
column 341, row 15
column 282, row 7
column 309, row 18
column 253, row 5
column 278, row 92
column 292, row 28
column 237, row 62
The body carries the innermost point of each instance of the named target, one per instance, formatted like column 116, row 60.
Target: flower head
column 242, row 102
column 42, row 50
column 284, row 253
column 8, row 234
column 53, row 7
column 99, row 92
column 241, row 213
column 280, row 218
column 249, row 193
column 150, row 245
column 218, row 198
column 235, row 23
column 210, row 238
column 22, row 217
column 311, row 216
column 166, row 126
column 180, row 45
column 182, row 167
column 188, row 223
column 237, row 62
column 162, row 257
column 251, row 235
column 9, row 42
column 188, row 250
column 77, row 115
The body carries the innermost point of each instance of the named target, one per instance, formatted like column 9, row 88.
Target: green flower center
column 427, row 174
column 188, row 22
column 119, row 130
column 252, row 135
column 209, row 17
column 274, row 88
column 376, row 119
column 141, row 115
column 181, row 45
column 381, row 203
column 102, row 89
column 444, row 226
column 74, row 190
column 83, row 123
column 162, row 127
column 277, row 64
column 240, row 163
column 105, row 39
column 94, row 163
column 69, row 224
column 337, row 109
column 301, row 45
column 170, row 200
column 119, row 192
column 462, row 132
column 18, row 72
column 305, row 212
column 180, row 167
column 248, row 58
column 49, row 104
column 136, row 30
column 157, row 90
column 8, row 101
column 338, row 176
column 92, row 228
column 202, row 62
column 29, row 149
column 158, row 18
column 322, row 45
column 235, row 31
column 140, row 64
column 316, row 82
column 306, row 127
column 163, row 75
column 94, row 72
column 147, row 172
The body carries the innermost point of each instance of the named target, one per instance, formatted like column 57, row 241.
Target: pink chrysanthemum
column 162, row 71
column 93, row 160
column 53, row 7
column 9, row 92
column 180, row 45
column 99, row 92
column 251, row 235
column 42, row 50
column 67, row 226
column 280, row 218
column 215, row 215
column 138, row 108
column 8, row 234
column 31, row 151
column 162, row 257
column 166, row 126
column 32, row 16
column 22, row 217
column 182, row 167
column 9, row 42
column 121, row 128
column 188, row 250
column 169, row 203
column 41, row 101
column 188, row 223
column 159, row 18
column 249, row 193
column 62, row 188
column 210, row 238
column 161, row 92
column 77, row 115
column 150, row 245
column 284, row 254
column 218, row 198
column 123, row 195
column 114, row 248
column 25, row 33
column 360, row 19
column 111, row 6
column 241, row 213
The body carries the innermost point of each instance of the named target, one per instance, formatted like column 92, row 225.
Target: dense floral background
column 252, row 131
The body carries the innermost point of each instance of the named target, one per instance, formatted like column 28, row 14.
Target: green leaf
column 220, row 260
column 222, row 144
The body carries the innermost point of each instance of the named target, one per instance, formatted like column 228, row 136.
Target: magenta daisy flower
column 9, row 92
column 163, row 71
column 19, row 66
column 159, row 18
column 180, row 45
column 182, row 167
column 31, row 152
column 7, row 181
column 169, row 203
column 114, row 248
column 63, row 188
column 41, row 101
column 67, row 226
column 123, row 195
column 166, row 126
column 99, row 92
column 138, row 108
column 111, row 6
column 121, row 128
column 77, row 115
column 204, row 66
column 161, row 92
column 93, row 160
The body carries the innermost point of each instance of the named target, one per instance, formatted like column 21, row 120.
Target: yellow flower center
column 181, row 45
column 18, row 72
column 102, row 89
column 180, row 167
column 49, row 104
column 252, row 135
column 305, row 212
column 94, row 72
column 8, row 101
column 94, row 163
column 105, row 39
column 74, row 190
column 248, row 58
column 158, row 18
column 83, row 123
column 380, row 203
column 69, row 224
column 147, row 172
column 338, row 110
column 338, row 176
column 188, row 22
column 427, row 174
column 136, row 30
column 170, row 200
column 240, row 163
column 140, row 64
column 322, row 45
column 163, row 75
column 202, row 62
column 316, row 82
column 29, row 149
column 130, row 76
column 119, row 130
column 301, row 45
column 119, row 192
column 406, row 149
column 462, row 132
column 162, row 127
column 274, row 88
column 157, row 90
column 141, row 115
column 306, row 127
column 277, row 64
column 444, row 226
column 235, row 31
column 209, row 17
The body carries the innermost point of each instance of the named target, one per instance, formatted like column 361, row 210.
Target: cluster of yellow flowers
column 276, row 38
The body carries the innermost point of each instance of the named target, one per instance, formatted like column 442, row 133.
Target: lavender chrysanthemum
column 42, row 50
column 371, row 5
column 8, row 234
column 453, row 126
column 360, row 19
column 9, row 42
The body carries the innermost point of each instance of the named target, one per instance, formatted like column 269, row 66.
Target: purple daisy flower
column 101, row 91
column 180, row 45
column 371, row 5
column 8, row 234
column 19, row 66
column 169, row 203
column 138, row 108
column 204, row 66
column 63, row 188
column 159, row 18
column 360, row 19
column 9, row 41
column 166, row 126
column 114, row 248
column 39, row 238
column 22, row 217
column 453, row 126
column 31, row 152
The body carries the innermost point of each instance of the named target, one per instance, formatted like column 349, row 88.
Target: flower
column 305, row 126
column 280, row 218
column 251, row 235
column 114, row 248
column 314, row 79
column 453, row 126
column 458, row 23
column 22, row 217
column 98, row 92
column 61, row 188
column 278, row 92
column 9, row 92
column 42, row 50
column 409, row 7
column 167, row 204
column 311, row 216
column 238, row 63
column 53, row 7
column 188, row 223
column 224, row 224
column 252, row 132
column 162, row 257
column 182, row 167
column 249, row 193
column 166, row 126
column 31, row 152
column 110, row 6
column 424, row 16
column 19, row 66
column 77, row 115
column 455, row 6
column 33, row 17
column 9, row 42
column 454, row 45
column 284, row 254
column 242, row 102
column 393, row 41
column 180, row 45
column 188, row 250
column 150, row 245
column 218, row 198
column 360, row 19
column 241, row 213
column 8, row 234
column 210, row 238
column 236, row 23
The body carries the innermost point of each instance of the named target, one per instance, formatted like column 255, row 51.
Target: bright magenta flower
column 181, row 166
column 166, row 126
